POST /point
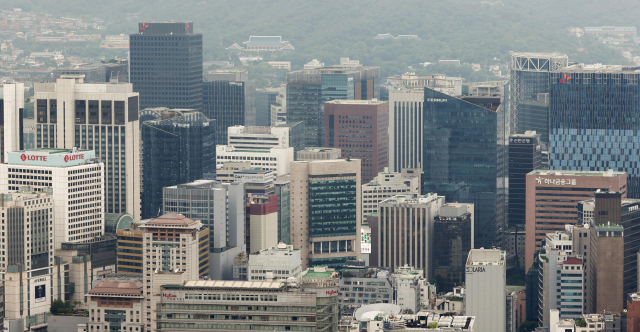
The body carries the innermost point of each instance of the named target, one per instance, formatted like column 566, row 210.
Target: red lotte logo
column 25, row 157
column 331, row 292
column 73, row 157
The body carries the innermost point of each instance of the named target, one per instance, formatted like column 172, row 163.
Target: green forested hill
column 469, row 30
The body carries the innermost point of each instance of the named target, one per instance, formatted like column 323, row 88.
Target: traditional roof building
column 265, row 43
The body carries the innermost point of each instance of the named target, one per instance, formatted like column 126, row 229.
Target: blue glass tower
column 595, row 122
column 464, row 157
column 178, row 147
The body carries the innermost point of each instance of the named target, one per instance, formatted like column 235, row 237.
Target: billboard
column 41, row 293
column 263, row 177
column 365, row 240
column 50, row 157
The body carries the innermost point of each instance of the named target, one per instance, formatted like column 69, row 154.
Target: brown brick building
column 360, row 128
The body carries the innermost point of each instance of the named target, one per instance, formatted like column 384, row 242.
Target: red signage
column 73, row 157
column 25, row 157
column 168, row 295
column 331, row 292
column 565, row 79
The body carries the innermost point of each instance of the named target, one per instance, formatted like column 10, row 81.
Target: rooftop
column 411, row 199
column 486, row 257
column 573, row 261
column 356, row 102
column 171, row 219
column 118, row 287
column 318, row 272
column 222, row 284
column 609, row 173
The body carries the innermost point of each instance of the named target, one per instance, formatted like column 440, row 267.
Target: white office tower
column 258, row 138
column 405, row 129
column 388, row 184
column 274, row 159
column 486, row 281
column 76, row 180
column 96, row 116
column 12, row 113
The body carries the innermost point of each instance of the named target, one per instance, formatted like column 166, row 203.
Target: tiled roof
column 170, row 219
column 235, row 46
column 573, row 260
column 265, row 40
column 117, row 288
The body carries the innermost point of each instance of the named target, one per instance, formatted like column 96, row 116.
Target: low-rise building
column 407, row 286
column 364, row 285
column 312, row 153
column 279, row 262
column 116, row 304
column 275, row 159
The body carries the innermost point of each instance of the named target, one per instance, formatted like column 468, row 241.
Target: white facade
column 405, row 129
column 281, row 261
column 279, row 109
column 408, row 284
column 96, row 116
column 486, row 293
column 77, row 186
column 388, row 184
column 13, row 99
column 277, row 160
column 258, row 138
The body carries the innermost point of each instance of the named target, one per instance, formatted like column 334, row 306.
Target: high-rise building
column 485, row 293
column 439, row 82
column 76, row 181
column 453, row 239
column 404, row 231
column 530, row 77
column 524, row 157
column 561, row 191
column 360, row 129
column 633, row 312
column 256, row 181
column 96, row 116
column 262, row 222
column 177, row 147
column 218, row 206
column 279, row 107
column 463, row 169
column 165, row 65
column 388, row 184
column 283, row 190
column 98, row 71
column 11, row 118
column 276, row 160
column 308, row 90
column 281, row 261
column 594, row 121
column 264, row 98
column 325, row 211
column 264, row 138
column 405, row 129
column 229, row 98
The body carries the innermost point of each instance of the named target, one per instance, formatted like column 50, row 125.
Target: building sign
column 365, row 240
column 556, row 182
column 474, row 269
column 171, row 297
column 129, row 233
column 436, row 100
column 48, row 157
column 41, row 293
column 265, row 177
column 519, row 140
column 565, row 79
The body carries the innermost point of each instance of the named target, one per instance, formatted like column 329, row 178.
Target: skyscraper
column 177, row 147
column 524, row 157
column 325, row 211
column 360, row 129
column 464, row 157
column 96, row 116
column 530, row 77
column 229, row 98
column 11, row 118
column 405, row 129
column 308, row 90
column 485, row 292
column 453, row 239
column 595, row 121
column 166, row 65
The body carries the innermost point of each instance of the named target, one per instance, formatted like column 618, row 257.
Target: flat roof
column 223, row 284
column 578, row 173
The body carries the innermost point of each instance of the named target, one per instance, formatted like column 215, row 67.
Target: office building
column 279, row 107
column 404, row 231
column 561, row 191
column 265, row 138
column 265, row 97
column 262, row 222
column 407, row 285
column 279, row 262
column 535, row 114
column 563, row 276
column 405, row 128
column 308, row 90
column 117, row 72
column 325, row 211
column 360, row 129
column 256, row 181
column 485, row 292
column 629, row 215
column 311, row 154
column 439, row 82
column 11, row 117
column 165, row 65
column 524, row 157
column 529, row 76
column 633, row 312
column 227, row 172
column 590, row 105
column 229, row 98
column 283, row 190
column 388, row 184
column 275, row 159
column 453, row 229
column 218, row 206
column 177, row 147
column 377, row 280
column 313, row 300
column 515, row 239
column 96, row 116
column 463, row 170
column 76, row 181
column 117, row 304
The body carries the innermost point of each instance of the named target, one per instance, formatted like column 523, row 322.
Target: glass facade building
column 464, row 157
column 176, row 150
column 524, row 156
column 595, row 123
column 452, row 242
column 166, row 65
column 283, row 190
column 225, row 101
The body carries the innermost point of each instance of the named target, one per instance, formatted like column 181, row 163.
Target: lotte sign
column 26, row 157
column 73, row 157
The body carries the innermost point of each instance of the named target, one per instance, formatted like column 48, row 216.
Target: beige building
column 119, row 298
column 388, row 184
column 326, row 211
column 311, row 154
column 280, row 64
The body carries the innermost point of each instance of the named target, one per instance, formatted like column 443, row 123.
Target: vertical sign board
column 41, row 293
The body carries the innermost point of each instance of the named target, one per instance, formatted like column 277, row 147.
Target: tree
column 77, row 303
column 527, row 326
column 58, row 307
